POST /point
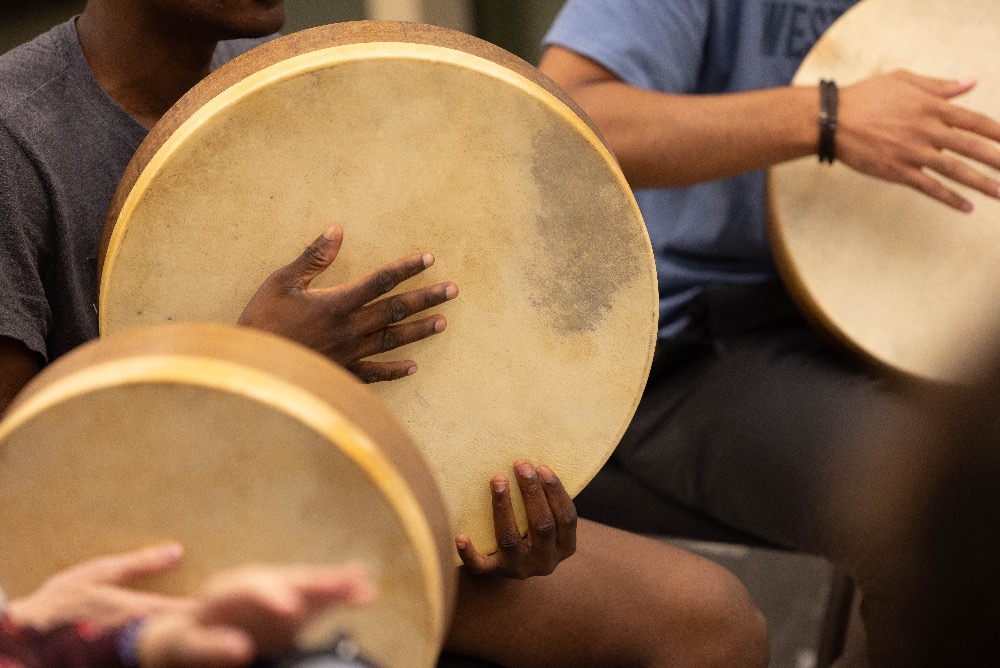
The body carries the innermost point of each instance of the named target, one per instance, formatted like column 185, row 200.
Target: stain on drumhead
column 575, row 288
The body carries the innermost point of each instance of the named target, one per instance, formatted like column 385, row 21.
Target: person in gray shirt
column 72, row 113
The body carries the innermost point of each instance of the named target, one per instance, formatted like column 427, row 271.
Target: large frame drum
column 413, row 138
column 244, row 447
column 899, row 278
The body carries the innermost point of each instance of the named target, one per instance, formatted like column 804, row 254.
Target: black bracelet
column 827, row 121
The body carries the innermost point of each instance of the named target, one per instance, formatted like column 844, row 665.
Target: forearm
column 899, row 127
column 667, row 141
column 64, row 647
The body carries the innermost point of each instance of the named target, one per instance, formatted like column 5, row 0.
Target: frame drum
column 898, row 277
column 414, row 138
column 244, row 447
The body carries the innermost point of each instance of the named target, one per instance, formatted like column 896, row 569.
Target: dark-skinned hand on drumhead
column 353, row 321
column 551, row 535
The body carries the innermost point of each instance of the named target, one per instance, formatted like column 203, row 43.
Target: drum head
column 897, row 276
column 246, row 449
column 421, row 140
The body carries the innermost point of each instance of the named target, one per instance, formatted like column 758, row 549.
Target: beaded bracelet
column 827, row 121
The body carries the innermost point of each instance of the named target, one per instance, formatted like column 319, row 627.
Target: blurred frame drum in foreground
column 244, row 447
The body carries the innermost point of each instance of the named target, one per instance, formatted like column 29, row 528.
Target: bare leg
column 622, row 600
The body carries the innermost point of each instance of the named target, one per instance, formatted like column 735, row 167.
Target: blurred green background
column 516, row 25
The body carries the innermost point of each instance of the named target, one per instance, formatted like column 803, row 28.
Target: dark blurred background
column 516, row 25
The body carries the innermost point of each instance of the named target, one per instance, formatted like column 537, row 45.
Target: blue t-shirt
column 712, row 232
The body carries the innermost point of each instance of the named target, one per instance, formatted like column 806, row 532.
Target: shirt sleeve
column 25, row 233
column 654, row 44
column 75, row 646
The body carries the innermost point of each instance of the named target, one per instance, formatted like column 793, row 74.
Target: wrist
column 791, row 117
column 23, row 613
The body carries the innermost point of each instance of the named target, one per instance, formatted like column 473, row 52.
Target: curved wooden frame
column 286, row 379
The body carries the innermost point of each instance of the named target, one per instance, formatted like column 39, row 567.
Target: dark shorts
column 748, row 421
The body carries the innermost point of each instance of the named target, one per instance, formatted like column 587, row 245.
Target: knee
column 735, row 632
column 722, row 627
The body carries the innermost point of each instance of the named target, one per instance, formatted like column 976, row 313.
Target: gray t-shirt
column 64, row 145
